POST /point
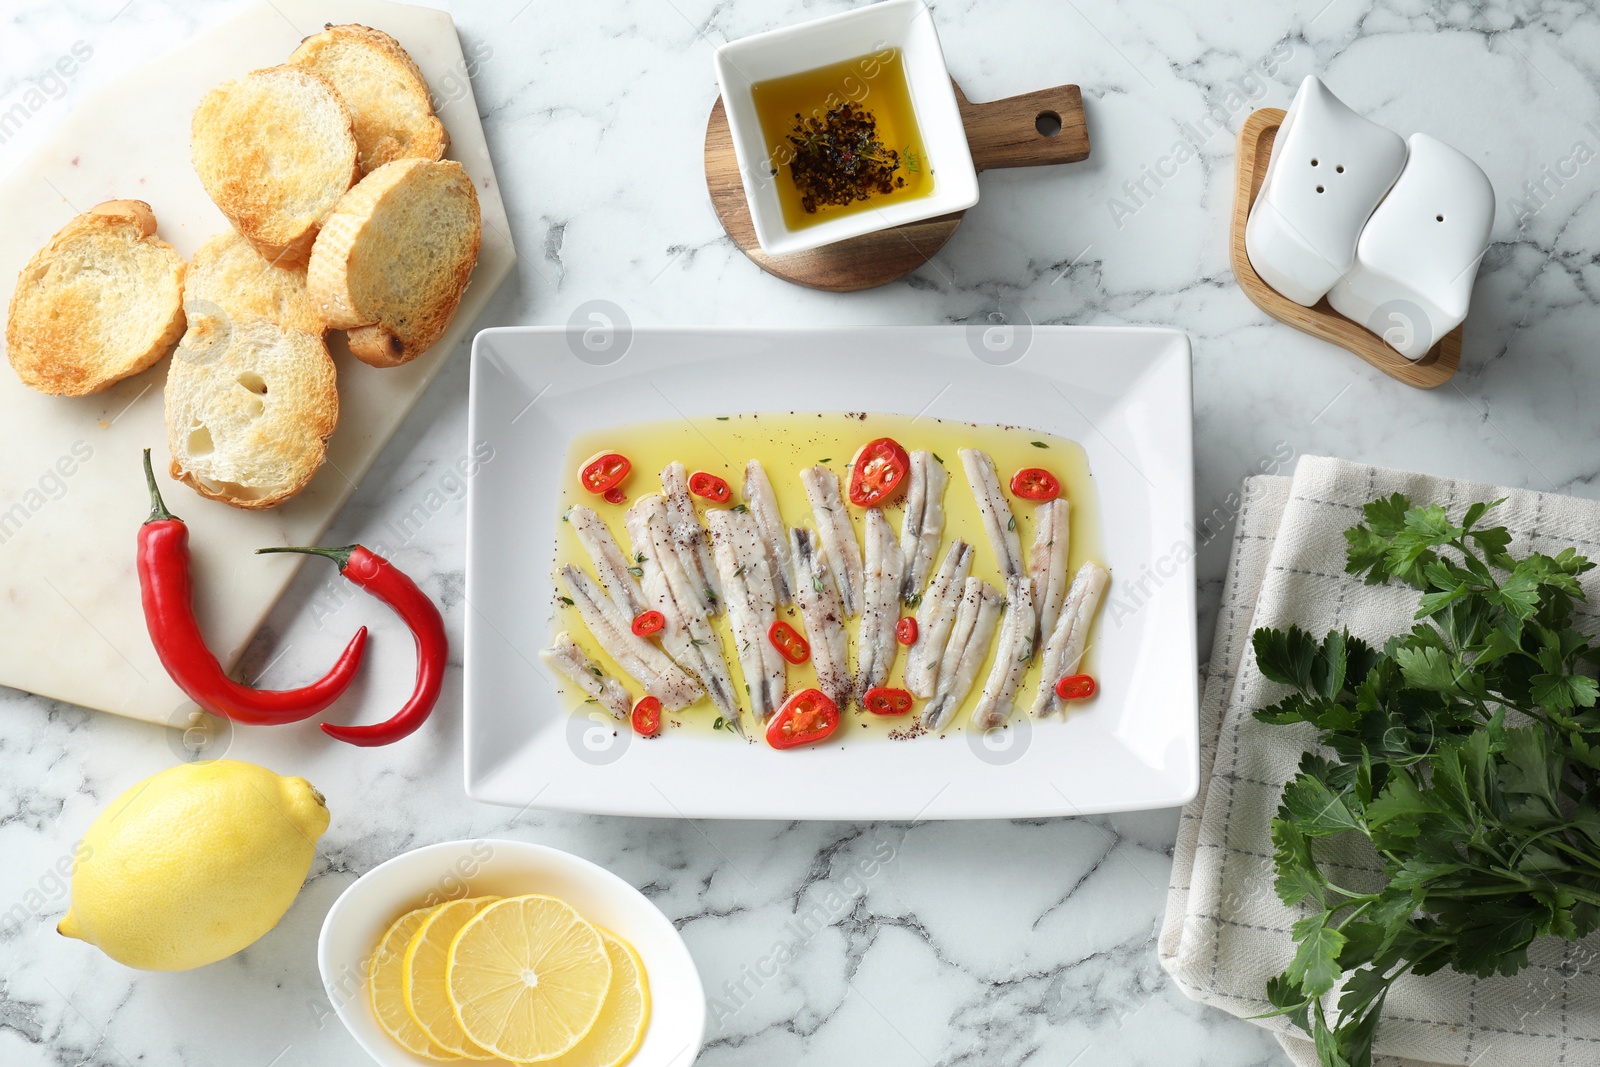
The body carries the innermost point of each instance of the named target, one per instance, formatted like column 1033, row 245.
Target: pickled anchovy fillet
column 998, row 522
column 837, row 534
column 964, row 654
column 566, row 657
column 670, row 589
column 1011, row 658
column 613, row 629
column 751, row 603
column 689, row 538
column 936, row 615
column 1047, row 566
column 1065, row 647
column 763, row 505
column 922, row 526
column 880, row 607
column 823, row 614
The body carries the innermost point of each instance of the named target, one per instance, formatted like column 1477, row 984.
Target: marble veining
column 1023, row 942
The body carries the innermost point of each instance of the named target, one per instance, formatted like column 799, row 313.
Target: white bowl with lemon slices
column 492, row 951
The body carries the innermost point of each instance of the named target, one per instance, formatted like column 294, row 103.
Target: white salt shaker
column 1419, row 253
column 1329, row 169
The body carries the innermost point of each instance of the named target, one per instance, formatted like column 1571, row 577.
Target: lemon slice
column 385, row 984
column 423, row 976
column 619, row 1031
column 527, row 976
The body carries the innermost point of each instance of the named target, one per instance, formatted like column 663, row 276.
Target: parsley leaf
column 1466, row 752
column 1286, row 656
column 1316, row 965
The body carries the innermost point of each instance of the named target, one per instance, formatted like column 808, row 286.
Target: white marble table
column 976, row 943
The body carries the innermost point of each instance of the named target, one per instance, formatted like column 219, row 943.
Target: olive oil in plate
column 785, row 443
column 842, row 138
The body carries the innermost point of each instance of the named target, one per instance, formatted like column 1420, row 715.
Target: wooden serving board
column 1250, row 170
column 72, row 491
column 1002, row 133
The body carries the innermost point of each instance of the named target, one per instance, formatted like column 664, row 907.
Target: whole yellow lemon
column 193, row 864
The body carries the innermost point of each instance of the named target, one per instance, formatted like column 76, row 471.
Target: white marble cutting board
column 72, row 493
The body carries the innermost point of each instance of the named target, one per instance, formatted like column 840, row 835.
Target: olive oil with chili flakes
column 871, row 86
column 786, row 442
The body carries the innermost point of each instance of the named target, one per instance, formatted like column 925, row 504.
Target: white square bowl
column 903, row 24
column 1123, row 394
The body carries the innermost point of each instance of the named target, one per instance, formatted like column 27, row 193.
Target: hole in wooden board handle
column 1013, row 132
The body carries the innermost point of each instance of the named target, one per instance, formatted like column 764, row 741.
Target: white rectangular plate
column 1124, row 394
column 71, row 626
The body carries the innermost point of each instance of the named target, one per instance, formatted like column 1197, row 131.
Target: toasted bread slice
column 275, row 150
column 101, row 301
column 387, row 95
column 228, row 281
column 394, row 258
column 248, row 420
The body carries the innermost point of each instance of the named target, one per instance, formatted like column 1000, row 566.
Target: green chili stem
column 158, row 507
column 341, row 556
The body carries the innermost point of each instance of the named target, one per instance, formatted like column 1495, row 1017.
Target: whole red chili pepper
column 169, row 615
column 389, row 584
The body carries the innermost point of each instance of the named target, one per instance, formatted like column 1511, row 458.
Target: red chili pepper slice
column 1035, row 483
column 882, row 700
column 614, row 495
column 905, row 631
column 604, row 471
column 787, row 640
column 647, row 717
column 167, row 593
column 1076, row 687
column 648, row 622
column 389, row 584
column 877, row 471
column 710, row 487
column 805, row 718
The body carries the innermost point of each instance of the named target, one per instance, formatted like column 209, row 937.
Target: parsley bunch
column 1467, row 752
